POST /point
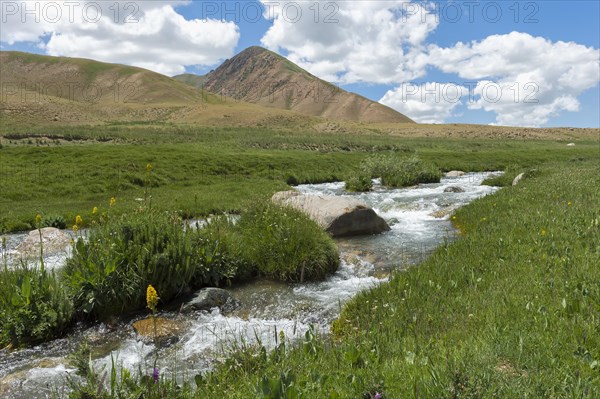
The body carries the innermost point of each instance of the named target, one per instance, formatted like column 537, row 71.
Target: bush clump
column 34, row 306
column 279, row 243
column 56, row 221
column 359, row 182
column 109, row 272
column 400, row 172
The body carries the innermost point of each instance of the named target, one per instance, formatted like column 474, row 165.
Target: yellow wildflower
column 113, row 201
column 75, row 228
column 543, row 232
column 151, row 298
column 569, row 203
column 94, row 210
column 38, row 218
column 78, row 220
column 149, row 167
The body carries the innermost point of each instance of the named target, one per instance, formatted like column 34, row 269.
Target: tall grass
column 394, row 171
column 34, row 306
column 278, row 243
column 110, row 269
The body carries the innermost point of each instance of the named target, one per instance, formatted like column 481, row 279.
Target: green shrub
column 54, row 221
column 359, row 182
column 109, row 272
column 291, row 180
column 285, row 244
column 401, row 172
column 34, row 307
column 277, row 243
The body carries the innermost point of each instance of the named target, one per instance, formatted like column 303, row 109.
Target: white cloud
column 352, row 41
column 148, row 34
column 426, row 103
column 525, row 80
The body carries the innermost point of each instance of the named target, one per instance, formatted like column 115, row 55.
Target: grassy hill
column 39, row 89
column 262, row 77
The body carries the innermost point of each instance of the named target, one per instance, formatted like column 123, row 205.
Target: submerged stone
column 165, row 331
column 209, row 298
column 454, row 189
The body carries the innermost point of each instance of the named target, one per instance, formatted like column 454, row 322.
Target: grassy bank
column 66, row 171
column 511, row 310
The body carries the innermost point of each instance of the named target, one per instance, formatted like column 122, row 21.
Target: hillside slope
column 259, row 76
column 37, row 89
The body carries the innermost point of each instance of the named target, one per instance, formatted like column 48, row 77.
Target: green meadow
column 509, row 310
column 197, row 171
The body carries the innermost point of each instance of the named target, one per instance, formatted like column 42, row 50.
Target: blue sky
column 370, row 50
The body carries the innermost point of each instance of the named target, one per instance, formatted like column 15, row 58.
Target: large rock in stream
column 53, row 241
column 338, row 216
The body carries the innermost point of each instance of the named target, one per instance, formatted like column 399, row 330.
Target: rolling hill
column 37, row 89
column 259, row 76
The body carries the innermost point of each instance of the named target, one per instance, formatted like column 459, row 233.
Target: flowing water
column 419, row 220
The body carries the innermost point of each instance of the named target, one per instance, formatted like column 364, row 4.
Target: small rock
column 518, row 179
column 393, row 221
column 455, row 173
column 167, row 331
column 454, row 189
column 208, row 298
column 571, row 145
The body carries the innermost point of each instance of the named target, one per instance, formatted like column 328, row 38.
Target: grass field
column 197, row 171
column 510, row 310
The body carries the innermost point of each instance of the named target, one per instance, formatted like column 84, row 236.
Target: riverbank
column 509, row 310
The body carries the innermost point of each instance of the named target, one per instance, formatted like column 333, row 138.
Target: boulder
column 518, row 179
column 454, row 189
column 208, row 298
column 53, row 240
column 338, row 216
column 166, row 334
column 455, row 173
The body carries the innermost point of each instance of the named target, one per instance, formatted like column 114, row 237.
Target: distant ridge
column 260, row 76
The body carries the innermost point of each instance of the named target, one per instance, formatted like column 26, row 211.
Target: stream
column 419, row 221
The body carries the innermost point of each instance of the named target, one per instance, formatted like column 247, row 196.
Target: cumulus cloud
column 430, row 102
column 148, row 34
column 352, row 41
column 525, row 80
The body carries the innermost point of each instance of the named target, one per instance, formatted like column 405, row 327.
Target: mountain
column 260, row 76
column 38, row 89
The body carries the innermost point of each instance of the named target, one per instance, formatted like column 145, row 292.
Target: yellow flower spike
column 569, row 203
column 38, row 218
column 543, row 232
column 78, row 220
column 113, row 201
column 94, row 210
column 149, row 167
column 75, row 228
column 151, row 298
